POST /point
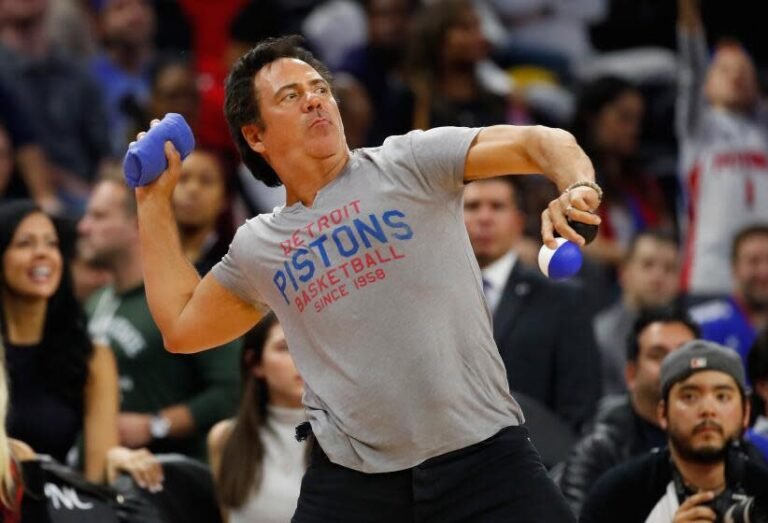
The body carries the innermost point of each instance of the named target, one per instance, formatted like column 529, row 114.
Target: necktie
column 487, row 287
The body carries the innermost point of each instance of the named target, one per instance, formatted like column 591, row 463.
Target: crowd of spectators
column 667, row 99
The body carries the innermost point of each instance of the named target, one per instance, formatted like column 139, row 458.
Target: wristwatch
column 159, row 426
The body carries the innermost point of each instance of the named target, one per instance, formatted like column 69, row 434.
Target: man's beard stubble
column 95, row 260
column 705, row 455
column 754, row 301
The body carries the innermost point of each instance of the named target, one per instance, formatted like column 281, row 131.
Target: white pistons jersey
column 724, row 168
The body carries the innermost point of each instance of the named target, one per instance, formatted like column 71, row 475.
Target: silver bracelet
column 591, row 185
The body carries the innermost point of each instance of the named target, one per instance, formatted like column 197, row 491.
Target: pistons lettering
column 321, row 266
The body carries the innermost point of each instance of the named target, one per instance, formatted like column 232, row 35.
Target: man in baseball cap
column 704, row 411
column 699, row 355
column 704, row 400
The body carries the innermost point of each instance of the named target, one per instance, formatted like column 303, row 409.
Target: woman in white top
column 256, row 461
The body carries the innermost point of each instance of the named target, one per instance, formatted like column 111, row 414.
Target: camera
column 730, row 507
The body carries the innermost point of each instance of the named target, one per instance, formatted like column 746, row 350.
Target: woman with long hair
column 61, row 384
column 202, row 205
column 608, row 123
column 445, row 52
column 140, row 464
column 256, row 461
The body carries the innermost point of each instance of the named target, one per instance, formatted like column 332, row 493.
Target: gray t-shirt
column 380, row 297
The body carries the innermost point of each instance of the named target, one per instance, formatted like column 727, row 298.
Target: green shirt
column 152, row 378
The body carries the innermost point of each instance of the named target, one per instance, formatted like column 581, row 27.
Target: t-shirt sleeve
column 230, row 273
column 437, row 156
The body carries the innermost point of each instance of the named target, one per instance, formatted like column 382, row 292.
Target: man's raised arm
column 192, row 314
column 692, row 68
column 507, row 149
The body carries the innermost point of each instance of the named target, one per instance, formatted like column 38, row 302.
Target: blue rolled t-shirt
column 145, row 159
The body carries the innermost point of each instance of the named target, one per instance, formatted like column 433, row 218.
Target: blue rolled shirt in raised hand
column 145, row 159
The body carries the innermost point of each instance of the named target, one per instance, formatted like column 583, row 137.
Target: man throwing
column 369, row 268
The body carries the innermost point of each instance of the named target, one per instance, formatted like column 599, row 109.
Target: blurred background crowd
column 666, row 98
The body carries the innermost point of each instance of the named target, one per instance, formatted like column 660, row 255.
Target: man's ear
column 661, row 414
column 621, row 273
column 747, row 411
column 258, row 371
column 519, row 224
column 252, row 134
column 630, row 373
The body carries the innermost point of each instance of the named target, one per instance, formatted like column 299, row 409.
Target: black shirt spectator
column 630, row 492
column 620, row 436
column 627, row 425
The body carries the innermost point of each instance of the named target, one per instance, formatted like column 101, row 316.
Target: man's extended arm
column 692, row 63
column 507, row 149
column 192, row 314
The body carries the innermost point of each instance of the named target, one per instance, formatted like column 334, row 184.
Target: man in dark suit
column 543, row 332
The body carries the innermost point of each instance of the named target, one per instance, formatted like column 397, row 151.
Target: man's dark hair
column 516, row 189
column 671, row 314
column 111, row 172
column 591, row 99
column 241, row 105
column 758, row 229
column 659, row 235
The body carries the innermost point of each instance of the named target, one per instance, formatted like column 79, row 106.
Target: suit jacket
column 545, row 337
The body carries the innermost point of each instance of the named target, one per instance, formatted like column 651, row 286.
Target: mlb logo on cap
column 698, row 363
column 699, row 355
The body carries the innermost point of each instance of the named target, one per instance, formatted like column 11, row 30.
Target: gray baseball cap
column 698, row 355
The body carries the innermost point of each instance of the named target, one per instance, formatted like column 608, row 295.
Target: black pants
column 500, row 479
